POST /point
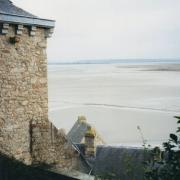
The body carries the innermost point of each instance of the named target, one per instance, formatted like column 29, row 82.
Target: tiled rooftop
column 12, row 14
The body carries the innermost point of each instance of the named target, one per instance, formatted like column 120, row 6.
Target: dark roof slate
column 12, row 14
column 117, row 161
column 78, row 131
column 7, row 7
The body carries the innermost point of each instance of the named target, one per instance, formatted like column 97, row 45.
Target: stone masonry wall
column 50, row 146
column 23, row 90
column 25, row 131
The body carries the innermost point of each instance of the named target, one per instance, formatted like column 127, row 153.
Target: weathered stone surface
column 25, row 131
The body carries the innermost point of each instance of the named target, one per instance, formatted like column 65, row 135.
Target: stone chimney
column 82, row 119
column 90, row 149
column 23, row 79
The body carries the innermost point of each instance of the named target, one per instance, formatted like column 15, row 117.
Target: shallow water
column 117, row 98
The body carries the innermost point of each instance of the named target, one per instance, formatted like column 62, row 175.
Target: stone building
column 78, row 132
column 25, row 130
column 107, row 161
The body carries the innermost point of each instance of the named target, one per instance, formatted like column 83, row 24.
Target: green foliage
column 165, row 165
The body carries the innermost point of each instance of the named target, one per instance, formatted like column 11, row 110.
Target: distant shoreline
column 118, row 61
column 153, row 67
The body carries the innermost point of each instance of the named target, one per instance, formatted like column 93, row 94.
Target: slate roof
column 115, row 162
column 121, row 162
column 78, row 131
column 12, row 14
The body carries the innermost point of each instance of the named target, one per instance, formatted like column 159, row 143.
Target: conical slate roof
column 79, row 130
column 9, row 13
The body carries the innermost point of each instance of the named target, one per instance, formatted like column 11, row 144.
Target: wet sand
column 116, row 99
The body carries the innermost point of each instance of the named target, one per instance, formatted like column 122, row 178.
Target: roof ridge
column 13, row 14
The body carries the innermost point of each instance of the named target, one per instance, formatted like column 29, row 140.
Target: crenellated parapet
column 10, row 15
column 18, row 29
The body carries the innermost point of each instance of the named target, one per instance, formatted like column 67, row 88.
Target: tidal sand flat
column 116, row 98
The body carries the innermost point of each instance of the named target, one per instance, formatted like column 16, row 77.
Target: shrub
column 165, row 165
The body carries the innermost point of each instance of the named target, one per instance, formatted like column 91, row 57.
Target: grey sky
column 97, row 29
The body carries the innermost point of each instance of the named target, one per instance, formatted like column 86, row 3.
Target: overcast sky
column 102, row 29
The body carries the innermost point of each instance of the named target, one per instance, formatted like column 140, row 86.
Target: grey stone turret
column 26, row 133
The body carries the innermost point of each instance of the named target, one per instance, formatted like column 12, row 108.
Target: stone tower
column 25, row 131
column 23, row 77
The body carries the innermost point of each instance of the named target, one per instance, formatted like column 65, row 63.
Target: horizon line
column 114, row 59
